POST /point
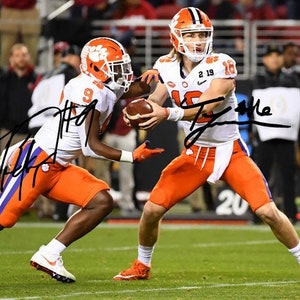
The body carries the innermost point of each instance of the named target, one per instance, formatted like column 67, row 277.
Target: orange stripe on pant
column 34, row 173
column 186, row 173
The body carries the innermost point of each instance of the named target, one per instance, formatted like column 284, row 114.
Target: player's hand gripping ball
column 136, row 108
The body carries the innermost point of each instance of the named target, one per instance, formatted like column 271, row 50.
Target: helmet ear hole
column 96, row 69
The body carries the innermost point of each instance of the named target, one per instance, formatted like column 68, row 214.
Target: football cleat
column 137, row 271
column 52, row 265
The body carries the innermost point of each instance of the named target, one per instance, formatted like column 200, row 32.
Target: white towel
column 222, row 158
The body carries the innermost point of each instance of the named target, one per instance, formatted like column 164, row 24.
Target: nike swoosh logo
column 52, row 263
column 199, row 83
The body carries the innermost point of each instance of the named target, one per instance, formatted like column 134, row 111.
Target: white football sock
column 145, row 254
column 55, row 247
column 296, row 252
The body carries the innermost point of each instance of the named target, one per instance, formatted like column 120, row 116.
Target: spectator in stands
column 158, row 3
column 133, row 10
column 58, row 48
column 20, row 22
column 166, row 9
column 255, row 10
column 280, row 8
column 286, row 9
column 47, row 92
column 16, row 86
column 93, row 9
column 293, row 9
column 129, row 41
column 218, row 9
column 290, row 58
column 186, row 3
column 290, row 65
column 252, row 10
column 276, row 146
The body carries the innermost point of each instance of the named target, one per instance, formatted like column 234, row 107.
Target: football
column 136, row 108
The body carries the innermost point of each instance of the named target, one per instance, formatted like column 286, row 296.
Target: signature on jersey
column 242, row 109
column 65, row 115
column 24, row 165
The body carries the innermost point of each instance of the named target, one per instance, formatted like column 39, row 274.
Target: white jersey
column 206, row 131
column 64, row 135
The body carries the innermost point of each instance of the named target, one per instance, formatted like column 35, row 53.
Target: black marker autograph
column 24, row 164
column 66, row 117
column 242, row 109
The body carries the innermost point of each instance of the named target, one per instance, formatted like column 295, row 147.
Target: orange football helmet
column 191, row 20
column 106, row 60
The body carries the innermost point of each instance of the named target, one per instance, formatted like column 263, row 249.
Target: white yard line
column 163, row 226
column 114, row 293
column 126, row 248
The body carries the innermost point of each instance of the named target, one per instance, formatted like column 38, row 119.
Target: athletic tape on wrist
column 175, row 114
column 126, row 156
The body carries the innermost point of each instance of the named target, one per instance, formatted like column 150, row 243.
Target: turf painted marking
column 163, row 226
column 126, row 248
column 211, row 286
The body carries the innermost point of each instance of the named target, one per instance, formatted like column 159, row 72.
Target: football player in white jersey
column 43, row 165
column 201, row 84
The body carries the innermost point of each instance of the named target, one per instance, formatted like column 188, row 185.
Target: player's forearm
column 137, row 89
column 189, row 114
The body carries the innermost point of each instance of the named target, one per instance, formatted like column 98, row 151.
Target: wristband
column 175, row 114
column 126, row 156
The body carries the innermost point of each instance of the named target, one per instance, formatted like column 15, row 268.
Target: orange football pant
column 186, row 173
column 32, row 173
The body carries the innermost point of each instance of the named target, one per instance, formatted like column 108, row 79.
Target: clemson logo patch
column 45, row 168
column 97, row 53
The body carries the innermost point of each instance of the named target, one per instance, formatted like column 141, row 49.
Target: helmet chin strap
column 196, row 57
column 193, row 58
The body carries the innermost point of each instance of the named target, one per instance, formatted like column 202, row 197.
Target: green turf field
column 190, row 262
